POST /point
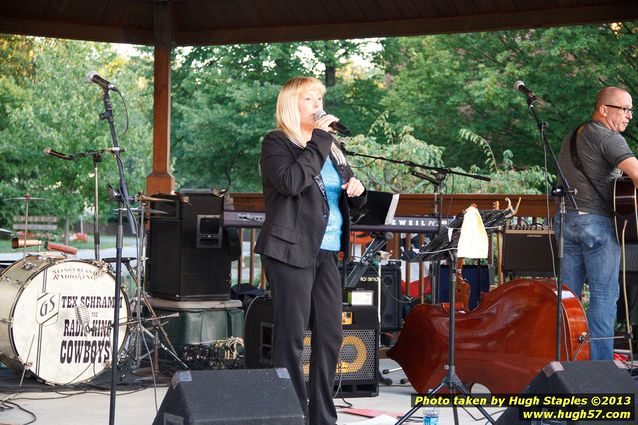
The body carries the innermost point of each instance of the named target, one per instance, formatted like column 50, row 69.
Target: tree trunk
column 331, row 75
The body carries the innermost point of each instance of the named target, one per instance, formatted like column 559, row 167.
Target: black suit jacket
column 296, row 204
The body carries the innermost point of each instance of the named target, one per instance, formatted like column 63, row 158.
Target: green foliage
column 443, row 83
column 442, row 101
column 54, row 106
column 384, row 141
column 224, row 101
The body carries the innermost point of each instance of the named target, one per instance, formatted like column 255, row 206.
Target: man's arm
column 629, row 166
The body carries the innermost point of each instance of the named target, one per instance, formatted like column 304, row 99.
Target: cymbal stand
column 98, row 156
column 26, row 224
column 140, row 298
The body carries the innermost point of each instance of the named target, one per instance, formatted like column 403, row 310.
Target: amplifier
column 390, row 292
column 530, row 251
column 358, row 358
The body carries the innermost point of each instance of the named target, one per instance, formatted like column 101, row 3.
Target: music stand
column 443, row 247
column 379, row 210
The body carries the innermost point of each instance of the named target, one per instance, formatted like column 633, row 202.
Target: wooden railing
column 532, row 208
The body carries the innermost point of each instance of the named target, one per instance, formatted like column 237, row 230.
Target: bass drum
column 39, row 330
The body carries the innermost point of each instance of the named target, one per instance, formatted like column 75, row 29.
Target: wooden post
column 160, row 180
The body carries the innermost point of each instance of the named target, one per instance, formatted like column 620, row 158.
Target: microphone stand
column 123, row 202
column 440, row 174
column 559, row 192
column 98, row 156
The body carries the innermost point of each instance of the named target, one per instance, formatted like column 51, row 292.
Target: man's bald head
column 611, row 104
column 609, row 95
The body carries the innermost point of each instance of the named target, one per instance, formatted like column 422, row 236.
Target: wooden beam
column 445, row 25
column 422, row 203
column 160, row 180
column 75, row 31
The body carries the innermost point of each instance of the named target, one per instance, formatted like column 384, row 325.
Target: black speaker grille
column 186, row 261
column 164, row 265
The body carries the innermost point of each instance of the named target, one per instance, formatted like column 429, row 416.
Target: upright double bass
column 502, row 344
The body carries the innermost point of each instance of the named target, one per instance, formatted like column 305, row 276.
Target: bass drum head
column 46, row 337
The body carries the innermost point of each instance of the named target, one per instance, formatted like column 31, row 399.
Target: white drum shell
column 39, row 330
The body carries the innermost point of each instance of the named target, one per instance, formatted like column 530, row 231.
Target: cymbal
column 5, row 230
column 24, row 198
column 145, row 198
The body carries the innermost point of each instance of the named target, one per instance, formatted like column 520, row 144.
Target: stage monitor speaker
column 359, row 354
column 600, row 377
column 527, row 252
column 189, row 257
column 390, row 292
column 226, row 397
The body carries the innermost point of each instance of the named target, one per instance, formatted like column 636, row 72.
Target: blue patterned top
column 332, row 238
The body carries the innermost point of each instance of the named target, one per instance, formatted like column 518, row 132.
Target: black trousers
column 308, row 298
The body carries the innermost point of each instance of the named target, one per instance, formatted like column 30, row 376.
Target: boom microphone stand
column 440, row 174
column 123, row 201
column 560, row 193
column 98, row 156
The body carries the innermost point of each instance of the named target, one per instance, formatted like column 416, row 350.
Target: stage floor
column 136, row 403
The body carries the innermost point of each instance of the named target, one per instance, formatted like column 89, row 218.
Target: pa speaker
column 390, row 292
column 600, row 377
column 240, row 396
column 189, row 257
column 357, row 370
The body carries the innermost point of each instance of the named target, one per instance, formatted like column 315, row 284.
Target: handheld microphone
column 49, row 151
column 94, row 78
column 520, row 86
column 335, row 125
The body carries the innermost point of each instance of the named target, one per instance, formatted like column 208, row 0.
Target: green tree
column 440, row 84
column 224, row 101
column 57, row 108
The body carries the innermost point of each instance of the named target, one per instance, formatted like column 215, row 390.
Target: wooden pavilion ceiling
column 198, row 22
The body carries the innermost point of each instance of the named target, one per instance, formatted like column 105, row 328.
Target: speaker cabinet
column 600, row 377
column 390, row 292
column 527, row 252
column 189, row 257
column 358, row 358
column 226, row 397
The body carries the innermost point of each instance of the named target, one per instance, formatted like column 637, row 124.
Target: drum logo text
column 47, row 308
